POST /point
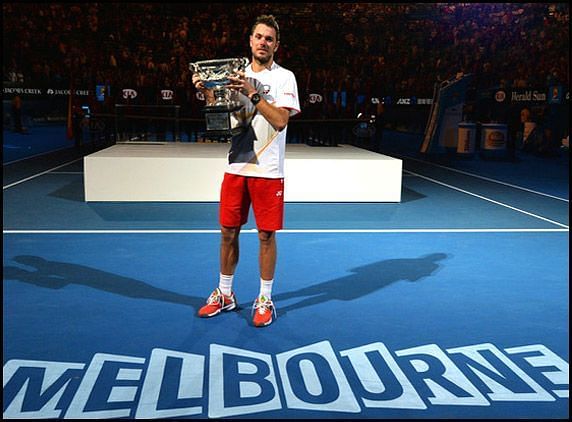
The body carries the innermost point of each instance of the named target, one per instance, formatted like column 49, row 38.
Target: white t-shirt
column 259, row 150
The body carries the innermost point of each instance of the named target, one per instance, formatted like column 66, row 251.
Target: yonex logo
column 279, row 193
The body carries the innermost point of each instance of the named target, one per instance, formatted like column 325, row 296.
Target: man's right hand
column 197, row 82
column 200, row 86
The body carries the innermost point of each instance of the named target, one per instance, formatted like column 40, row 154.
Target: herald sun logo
column 500, row 96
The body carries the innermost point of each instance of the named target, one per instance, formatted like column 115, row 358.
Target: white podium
column 192, row 172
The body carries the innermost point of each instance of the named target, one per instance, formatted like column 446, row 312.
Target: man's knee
column 266, row 237
column 229, row 234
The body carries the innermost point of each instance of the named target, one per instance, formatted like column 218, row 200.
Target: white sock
column 266, row 288
column 225, row 284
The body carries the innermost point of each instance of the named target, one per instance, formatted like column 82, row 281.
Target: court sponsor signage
column 527, row 95
column 412, row 101
column 231, row 381
column 315, row 98
column 556, row 94
column 66, row 92
column 46, row 91
column 22, row 91
column 500, row 96
column 166, row 94
column 129, row 93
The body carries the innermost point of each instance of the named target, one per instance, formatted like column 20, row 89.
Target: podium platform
column 192, row 172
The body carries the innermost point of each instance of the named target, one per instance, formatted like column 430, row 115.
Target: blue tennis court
column 451, row 304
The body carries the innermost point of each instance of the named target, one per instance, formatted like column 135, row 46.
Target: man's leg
column 267, row 257
column 233, row 213
column 268, row 204
column 222, row 298
column 229, row 249
column 263, row 306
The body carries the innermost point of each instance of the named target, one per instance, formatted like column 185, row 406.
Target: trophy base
column 217, row 118
column 223, row 134
column 222, row 108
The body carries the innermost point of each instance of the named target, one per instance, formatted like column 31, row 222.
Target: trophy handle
column 243, row 62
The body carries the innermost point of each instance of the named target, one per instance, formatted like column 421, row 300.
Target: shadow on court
column 363, row 281
column 56, row 275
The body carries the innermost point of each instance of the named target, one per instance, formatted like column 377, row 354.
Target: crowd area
column 346, row 52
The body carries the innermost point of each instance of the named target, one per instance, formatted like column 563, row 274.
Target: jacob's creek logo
column 233, row 381
column 51, row 91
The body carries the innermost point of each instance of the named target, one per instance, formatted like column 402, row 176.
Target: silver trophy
column 214, row 75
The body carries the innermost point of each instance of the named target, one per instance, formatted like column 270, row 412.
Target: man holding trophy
column 251, row 104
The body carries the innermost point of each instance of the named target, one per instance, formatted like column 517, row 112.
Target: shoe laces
column 215, row 297
column 261, row 304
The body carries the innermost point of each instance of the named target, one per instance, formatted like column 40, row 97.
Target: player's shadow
column 363, row 281
column 56, row 275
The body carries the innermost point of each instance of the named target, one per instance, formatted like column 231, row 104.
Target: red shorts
column 266, row 196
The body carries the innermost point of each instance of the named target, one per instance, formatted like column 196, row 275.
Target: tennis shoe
column 263, row 309
column 216, row 303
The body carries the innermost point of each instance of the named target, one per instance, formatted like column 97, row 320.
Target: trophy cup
column 214, row 75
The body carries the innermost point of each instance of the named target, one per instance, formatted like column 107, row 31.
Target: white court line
column 488, row 199
column 488, row 179
column 35, row 155
column 66, row 172
column 254, row 231
column 39, row 174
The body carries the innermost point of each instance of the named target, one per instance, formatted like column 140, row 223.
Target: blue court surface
column 452, row 304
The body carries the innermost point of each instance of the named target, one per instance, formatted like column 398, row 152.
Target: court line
column 488, row 199
column 254, row 231
column 488, row 179
column 36, row 155
column 39, row 174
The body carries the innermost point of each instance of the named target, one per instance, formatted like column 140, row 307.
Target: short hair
column 268, row 20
